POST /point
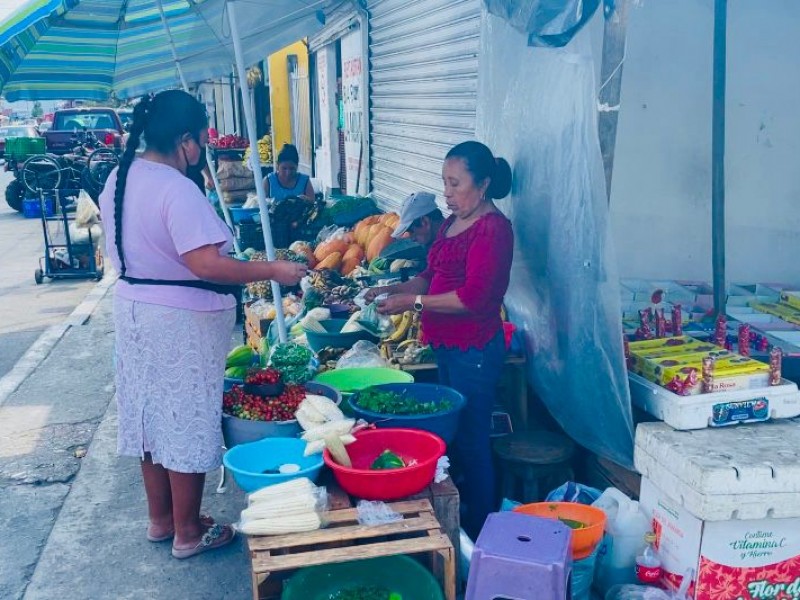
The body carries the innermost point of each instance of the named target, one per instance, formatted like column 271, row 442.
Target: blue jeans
column 476, row 374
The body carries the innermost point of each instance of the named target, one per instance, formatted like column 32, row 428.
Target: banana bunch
column 406, row 326
column 264, row 151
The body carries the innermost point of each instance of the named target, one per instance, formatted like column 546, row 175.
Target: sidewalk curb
column 50, row 337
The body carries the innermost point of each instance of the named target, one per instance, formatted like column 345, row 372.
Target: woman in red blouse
column 459, row 297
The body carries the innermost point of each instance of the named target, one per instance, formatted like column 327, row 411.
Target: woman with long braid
column 174, row 314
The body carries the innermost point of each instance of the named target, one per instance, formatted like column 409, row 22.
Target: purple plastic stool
column 520, row 557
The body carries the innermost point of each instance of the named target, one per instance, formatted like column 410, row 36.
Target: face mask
column 200, row 157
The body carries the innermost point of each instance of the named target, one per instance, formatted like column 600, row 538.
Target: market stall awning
column 87, row 49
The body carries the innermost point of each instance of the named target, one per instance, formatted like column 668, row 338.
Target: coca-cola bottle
column 648, row 565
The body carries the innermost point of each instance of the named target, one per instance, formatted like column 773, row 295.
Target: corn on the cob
column 295, row 524
column 292, row 506
column 337, row 450
column 306, row 420
column 318, row 446
column 283, row 490
column 312, row 412
column 325, row 406
column 336, row 428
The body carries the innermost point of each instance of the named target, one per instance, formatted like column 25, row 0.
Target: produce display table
column 344, row 539
column 513, row 387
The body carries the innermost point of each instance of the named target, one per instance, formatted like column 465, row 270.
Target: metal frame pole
column 718, row 156
column 256, row 165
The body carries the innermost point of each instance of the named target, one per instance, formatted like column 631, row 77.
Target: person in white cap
column 421, row 218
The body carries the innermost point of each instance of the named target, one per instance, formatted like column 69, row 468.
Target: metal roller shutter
column 423, row 88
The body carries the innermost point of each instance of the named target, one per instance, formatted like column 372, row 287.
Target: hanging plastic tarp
column 538, row 110
column 548, row 23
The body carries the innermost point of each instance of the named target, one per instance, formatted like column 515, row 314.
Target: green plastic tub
column 352, row 380
column 20, row 148
column 399, row 574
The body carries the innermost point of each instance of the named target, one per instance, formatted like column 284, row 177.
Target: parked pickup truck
column 103, row 122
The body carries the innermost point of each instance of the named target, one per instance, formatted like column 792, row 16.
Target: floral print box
column 752, row 559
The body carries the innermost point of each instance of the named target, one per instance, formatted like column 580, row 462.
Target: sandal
column 215, row 537
column 205, row 520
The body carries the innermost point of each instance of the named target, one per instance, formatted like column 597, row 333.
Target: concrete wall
column 661, row 195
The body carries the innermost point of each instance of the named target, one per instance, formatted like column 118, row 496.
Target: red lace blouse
column 476, row 264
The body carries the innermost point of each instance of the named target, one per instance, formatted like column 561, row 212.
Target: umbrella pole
column 256, row 165
column 225, row 212
column 718, row 157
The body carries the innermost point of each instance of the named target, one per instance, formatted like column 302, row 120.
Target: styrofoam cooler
column 725, row 502
column 716, row 409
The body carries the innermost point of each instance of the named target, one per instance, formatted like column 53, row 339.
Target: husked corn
column 325, row 406
column 283, row 490
column 337, row 428
column 292, row 524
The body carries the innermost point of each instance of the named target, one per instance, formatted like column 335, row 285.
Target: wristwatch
column 418, row 306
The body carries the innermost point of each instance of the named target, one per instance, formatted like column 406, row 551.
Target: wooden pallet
column 344, row 539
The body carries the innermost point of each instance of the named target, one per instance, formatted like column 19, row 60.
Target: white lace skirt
column 170, row 366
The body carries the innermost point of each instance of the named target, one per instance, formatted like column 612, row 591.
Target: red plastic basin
column 392, row 484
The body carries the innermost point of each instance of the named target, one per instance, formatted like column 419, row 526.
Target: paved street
column 26, row 309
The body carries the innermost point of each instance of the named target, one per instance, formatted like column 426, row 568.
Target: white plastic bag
column 86, row 211
column 376, row 513
column 362, row 354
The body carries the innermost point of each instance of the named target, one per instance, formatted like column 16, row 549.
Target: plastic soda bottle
column 648, row 565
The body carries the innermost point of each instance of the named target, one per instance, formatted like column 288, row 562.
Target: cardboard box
column 663, row 369
column 791, row 298
column 733, row 560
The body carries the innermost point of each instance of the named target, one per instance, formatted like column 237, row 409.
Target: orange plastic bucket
column 587, row 522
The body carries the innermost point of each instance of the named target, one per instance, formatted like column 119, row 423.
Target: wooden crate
column 344, row 539
column 255, row 328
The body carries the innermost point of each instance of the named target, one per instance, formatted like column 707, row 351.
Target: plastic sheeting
column 538, row 110
column 549, row 23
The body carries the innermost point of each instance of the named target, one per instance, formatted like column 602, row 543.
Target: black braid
column 137, row 129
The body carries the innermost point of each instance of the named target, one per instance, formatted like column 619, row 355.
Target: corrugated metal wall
column 423, row 88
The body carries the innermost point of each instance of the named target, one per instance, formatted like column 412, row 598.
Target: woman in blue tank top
column 286, row 181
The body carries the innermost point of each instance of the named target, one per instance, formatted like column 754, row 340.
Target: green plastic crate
column 19, row 148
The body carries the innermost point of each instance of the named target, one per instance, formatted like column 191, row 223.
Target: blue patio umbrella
column 87, row 49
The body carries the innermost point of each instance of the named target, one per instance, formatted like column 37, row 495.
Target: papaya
column 331, row 261
column 374, row 230
column 327, row 248
column 382, row 239
column 354, row 251
column 350, row 263
column 361, row 228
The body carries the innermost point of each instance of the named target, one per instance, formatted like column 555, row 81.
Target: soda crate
column 32, row 208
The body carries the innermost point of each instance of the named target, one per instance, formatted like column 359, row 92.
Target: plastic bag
column 376, row 513
column 564, row 294
column 442, row 466
column 574, row 492
column 293, row 506
column 636, row 592
column 362, row 354
column 295, row 362
column 86, row 211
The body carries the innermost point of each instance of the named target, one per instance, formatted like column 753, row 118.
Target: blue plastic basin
column 248, row 462
column 444, row 423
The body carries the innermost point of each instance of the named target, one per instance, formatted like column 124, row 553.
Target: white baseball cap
column 415, row 206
